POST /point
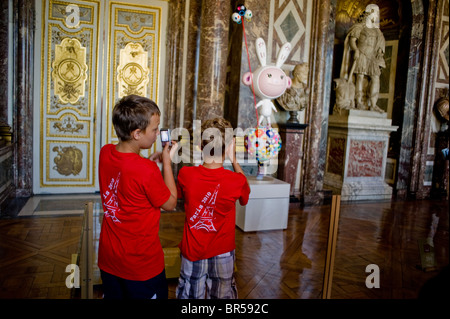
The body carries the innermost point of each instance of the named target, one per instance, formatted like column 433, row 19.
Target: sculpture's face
column 272, row 81
column 373, row 19
column 301, row 73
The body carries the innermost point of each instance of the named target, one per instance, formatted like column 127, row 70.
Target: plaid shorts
column 211, row 278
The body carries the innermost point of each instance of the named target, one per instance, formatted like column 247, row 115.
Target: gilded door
column 89, row 54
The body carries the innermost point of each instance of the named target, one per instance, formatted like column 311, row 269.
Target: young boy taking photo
column 130, row 256
column 210, row 192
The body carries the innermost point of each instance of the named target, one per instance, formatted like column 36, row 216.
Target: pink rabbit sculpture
column 269, row 81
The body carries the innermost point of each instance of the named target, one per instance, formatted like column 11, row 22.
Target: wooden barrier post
column 87, row 253
column 331, row 247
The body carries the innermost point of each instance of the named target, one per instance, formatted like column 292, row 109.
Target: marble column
column 4, row 6
column 23, row 104
column 405, row 163
column 317, row 112
column 213, row 56
column 290, row 155
column 182, row 70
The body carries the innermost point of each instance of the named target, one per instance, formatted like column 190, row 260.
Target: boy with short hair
column 210, row 192
column 133, row 190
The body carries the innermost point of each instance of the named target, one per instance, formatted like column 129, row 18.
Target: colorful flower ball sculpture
column 264, row 143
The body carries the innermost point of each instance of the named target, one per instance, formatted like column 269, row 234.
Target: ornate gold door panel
column 89, row 54
column 134, row 51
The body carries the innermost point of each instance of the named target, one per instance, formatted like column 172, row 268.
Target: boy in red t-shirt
column 210, row 192
column 133, row 190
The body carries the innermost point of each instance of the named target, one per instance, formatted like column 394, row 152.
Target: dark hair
column 132, row 112
column 217, row 141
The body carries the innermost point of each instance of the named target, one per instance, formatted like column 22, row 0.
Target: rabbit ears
column 282, row 54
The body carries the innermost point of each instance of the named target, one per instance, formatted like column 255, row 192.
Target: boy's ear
column 136, row 134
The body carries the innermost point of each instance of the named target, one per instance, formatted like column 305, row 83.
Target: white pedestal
column 267, row 207
column 356, row 155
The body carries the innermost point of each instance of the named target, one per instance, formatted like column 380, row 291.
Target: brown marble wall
column 434, row 87
column 197, row 64
column 182, row 39
column 292, row 151
column 422, row 125
column 190, row 94
column 316, row 134
column 207, row 90
column 320, row 46
column 415, row 110
column 4, row 7
column 213, row 56
column 257, row 27
column 173, row 70
column 23, row 108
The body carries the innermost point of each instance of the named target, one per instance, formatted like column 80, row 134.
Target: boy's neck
column 127, row 147
column 213, row 163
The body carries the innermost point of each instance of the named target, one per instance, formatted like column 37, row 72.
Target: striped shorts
column 211, row 278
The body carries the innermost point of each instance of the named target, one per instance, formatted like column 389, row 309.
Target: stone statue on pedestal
column 296, row 97
column 367, row 43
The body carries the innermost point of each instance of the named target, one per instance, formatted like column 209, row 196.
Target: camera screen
column 164, row 136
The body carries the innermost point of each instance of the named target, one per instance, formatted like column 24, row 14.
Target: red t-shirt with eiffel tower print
column 132, row 190
column 210, row 197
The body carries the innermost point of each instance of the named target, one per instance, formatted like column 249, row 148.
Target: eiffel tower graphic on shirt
column 207, row 213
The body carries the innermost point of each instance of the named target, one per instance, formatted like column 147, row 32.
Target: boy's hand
column 156, row 157
column 168, row 152
column 170, row 149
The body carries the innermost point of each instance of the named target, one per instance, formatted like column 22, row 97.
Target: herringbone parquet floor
column 281, row 264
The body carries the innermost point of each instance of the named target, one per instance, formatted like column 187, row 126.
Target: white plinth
column 267, row 207
column 356, row 155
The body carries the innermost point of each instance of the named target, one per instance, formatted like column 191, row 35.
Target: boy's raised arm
column 231, row 153
column 168, row 176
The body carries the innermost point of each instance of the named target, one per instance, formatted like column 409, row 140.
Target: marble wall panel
column 23, row 109
column 366, row 158
column 410, row 107
column 257, row 27
column 439, row 137
column 4, row 19
column 422, row 165
column 213, row 55
column 317, row 115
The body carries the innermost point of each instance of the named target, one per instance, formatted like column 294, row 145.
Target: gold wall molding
column 70, row 49
column 69, row 70
column 135, row 21
column 68, row 125
column 133, row 71
column 133, row 55
column 68, row 161
column 91, row 53
column 86, row 38
column 65, row 11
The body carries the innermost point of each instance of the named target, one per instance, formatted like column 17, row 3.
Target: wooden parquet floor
column 34, row 253
column 279, row 264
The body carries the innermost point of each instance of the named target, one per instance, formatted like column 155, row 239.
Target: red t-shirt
column 210, row 203
column 132, row 190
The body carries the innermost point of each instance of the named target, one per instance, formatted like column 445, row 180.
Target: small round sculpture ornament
column 264, row 143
